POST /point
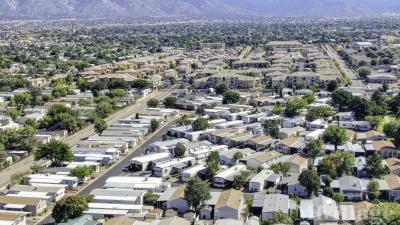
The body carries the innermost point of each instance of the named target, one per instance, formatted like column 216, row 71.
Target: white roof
column 234, row 169
column 135, row 180
column 107, row 212
column 114, row 206
column 174, row 162
column 347, row 212
column 194, row 169
column 14, row 206
column 151, row 157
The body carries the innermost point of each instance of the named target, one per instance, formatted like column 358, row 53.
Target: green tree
column 293, row 107
column 309, row 98
column 22, row 100
column 310, row 180
column 154, row 125
column 180, row 150
column 197, row 192
column 374, row 121
column 55, row 151
column 364, row 71
column 375, row 167
column 337, row 164
column 140, row 84
column 70, row 208
column 335, row 135
column 314, row 148
column 150, row 198
column 373, row 188
column 100, row 125
column 271, row 127
column 332, row 85
column 277, row 109
column 170, row 102
column 81, row 172
column 213, row 161
column 104, row 109
column 13, row 113
column 383, row 214
column 221, row 88
column 118, row 93
column 200, row 124
column 361, row 107
column 390, row 128
column 341, row 99
column 153, row 103
column 231, row 97
column 238, row 155
column 239, row 181
column 318, row 112
column 282, row 168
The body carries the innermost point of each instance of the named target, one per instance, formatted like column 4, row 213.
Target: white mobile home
column 141, row 163
column 171, row 167
column 153, row 184
column 225, row 178
column 191, row 172
column 44, row 179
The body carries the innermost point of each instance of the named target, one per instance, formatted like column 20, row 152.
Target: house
column 265, row 178
column 225, row 178
column 314, row 135
column 361, row 210
column 218, row 136
column 290, row 132
column 261, row 159
column 384, row 148
column 393, row 182
column 171, row 221
column 69, row 182
column 290, row 185
column 12, row 218
column 253, row 117
column 141, row 163
column 171, row 167
column 297, row 163
column 151, row 184
column 370, row 136
column 192, row 172
column 239, row 140
column 165, row 146
column 382, row 78
column 207, row 211
column 345, row 116
column 317, row 124
column 274, row 203
column 54, row 193
column 297, row 121
column 290, row 145
column 261, row 142
column 319, row 210
column 34, row 206
column 173, row 198
column 114, row 202
column 354, row 189
column 228, row 157
column 229, row 205
column 394, row 165
column 201, row 153
column 120, row 220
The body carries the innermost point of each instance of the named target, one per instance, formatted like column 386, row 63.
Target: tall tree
column 100, row 125
column 271, row 127
column 375, row 167
column 200, row 124
column 70, row 208
column 55, row 151
column 310, row 180
column 197, row 192
column 180, row 150
column 335, row 135
column 341, row 99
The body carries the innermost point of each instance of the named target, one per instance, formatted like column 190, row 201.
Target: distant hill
column 42, row 9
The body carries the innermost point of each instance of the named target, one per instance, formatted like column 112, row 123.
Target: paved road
column 355, row 80
column 118, row 168
column 25, row 164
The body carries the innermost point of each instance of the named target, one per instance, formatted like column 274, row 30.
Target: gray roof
column 319, row 208
column 276, row 203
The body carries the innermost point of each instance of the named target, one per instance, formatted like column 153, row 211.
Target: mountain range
column 59, row 9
